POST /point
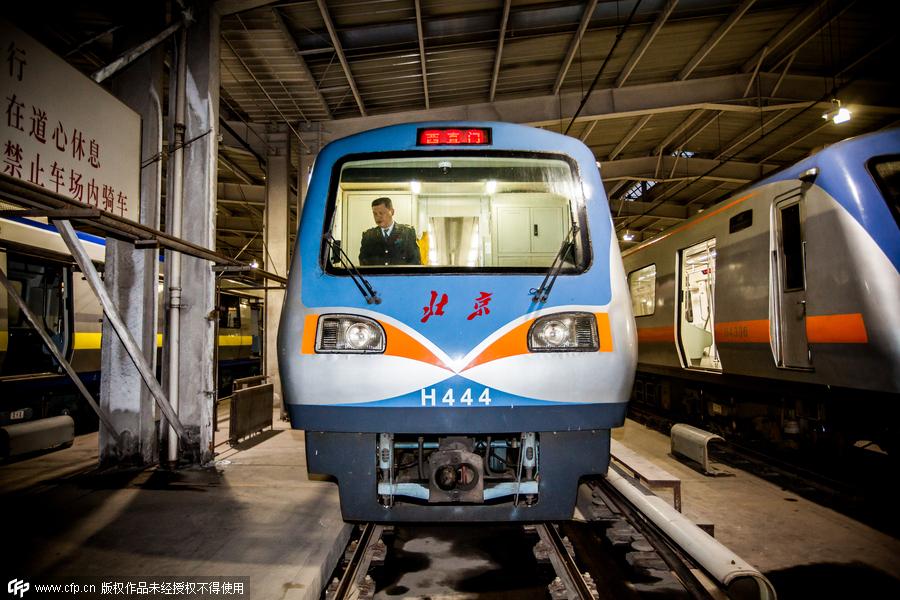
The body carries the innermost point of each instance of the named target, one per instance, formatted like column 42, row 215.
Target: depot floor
column 258, row 516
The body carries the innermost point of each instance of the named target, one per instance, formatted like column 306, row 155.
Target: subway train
column 40, row 267
column 467, row 360
column 774, row 316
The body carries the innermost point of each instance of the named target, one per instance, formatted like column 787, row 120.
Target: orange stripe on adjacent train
column 656, row 334
column 836, row 329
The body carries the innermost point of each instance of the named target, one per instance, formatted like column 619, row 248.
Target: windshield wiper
column 541, row 294
column 364, row 287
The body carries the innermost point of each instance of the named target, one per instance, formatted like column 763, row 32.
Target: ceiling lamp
column 838, row 113
column 627, row 236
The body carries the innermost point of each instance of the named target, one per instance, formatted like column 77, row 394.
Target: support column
column 131, row 276
column 197, row 387
column 278, row 215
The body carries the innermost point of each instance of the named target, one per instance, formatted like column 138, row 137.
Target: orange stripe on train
column 308, row 346
column 741, row 332
column 656, row 334
column 604, row 331
column 511, row 343
column 836, row 329
column 400, row 343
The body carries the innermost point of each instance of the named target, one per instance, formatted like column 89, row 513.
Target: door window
column 696, row 325
column 792, row 245
column 642, row 285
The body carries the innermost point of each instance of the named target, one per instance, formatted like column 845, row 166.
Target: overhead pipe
column 138, row 51
column 174, row 258
column 734, row 573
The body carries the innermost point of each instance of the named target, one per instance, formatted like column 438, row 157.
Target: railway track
column 613, row 552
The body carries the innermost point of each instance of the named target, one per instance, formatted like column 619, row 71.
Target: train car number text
column 429, row 397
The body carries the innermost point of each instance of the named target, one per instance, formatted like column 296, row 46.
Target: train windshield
column 457, row 213
column 886, row 170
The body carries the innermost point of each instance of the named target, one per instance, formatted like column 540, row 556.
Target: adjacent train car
column 470, row 365
column 39, row 265
column 775, row 314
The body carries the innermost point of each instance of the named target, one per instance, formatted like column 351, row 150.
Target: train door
column 696, row 307
column 789, row 289
column 45, row 288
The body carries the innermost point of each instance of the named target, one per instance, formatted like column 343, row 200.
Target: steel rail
column 565, row 565
column 359, row 563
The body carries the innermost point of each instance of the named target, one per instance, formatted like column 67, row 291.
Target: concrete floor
column 806, row 550
column 257, row 515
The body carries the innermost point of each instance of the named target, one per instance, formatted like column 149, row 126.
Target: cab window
column 456, row 213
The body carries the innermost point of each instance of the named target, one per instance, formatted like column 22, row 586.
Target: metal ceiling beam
column 631, row 208
column 239, row 224
column 499, row 54
column 616, row 186
column 682, row 127
column 230, row 7
column 265, row 93
column 645, row 43
column 628, row 137
column 587, row 131
column 810, row 35
column 796, row 141
column 749, row 133
column 237, row 170
column 715, row 38
column 304, row 68
column 784, row 33
column 698, row 198
column 711, row 93
column 422, row 52
column 644, row 169
column 252, row 194
column 480, row 24
column 573, row 45
column 339, row 50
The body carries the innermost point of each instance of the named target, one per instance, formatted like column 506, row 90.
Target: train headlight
column 349, row 334
column 564, row 332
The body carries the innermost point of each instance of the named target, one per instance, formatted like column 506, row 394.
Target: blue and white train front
column 475, row 372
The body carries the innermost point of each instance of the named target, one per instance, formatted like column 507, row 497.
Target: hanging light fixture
column 838, row 114
column 627, row 236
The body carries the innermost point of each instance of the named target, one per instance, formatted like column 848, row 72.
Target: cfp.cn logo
column 18, row 587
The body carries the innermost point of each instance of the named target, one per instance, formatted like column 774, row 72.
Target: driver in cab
column 389, row 243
